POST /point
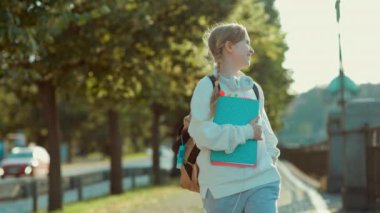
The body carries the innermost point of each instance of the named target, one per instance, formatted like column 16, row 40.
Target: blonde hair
column 216, row 39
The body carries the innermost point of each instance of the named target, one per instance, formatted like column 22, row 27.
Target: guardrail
column 310, row 159
column 34, row 187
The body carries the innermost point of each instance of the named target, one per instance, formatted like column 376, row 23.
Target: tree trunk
column 147, row 142
column 135, row 144
column 156, row 109
column 47, row 92
column 116, row 151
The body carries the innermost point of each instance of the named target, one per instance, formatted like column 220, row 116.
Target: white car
column 26, row 161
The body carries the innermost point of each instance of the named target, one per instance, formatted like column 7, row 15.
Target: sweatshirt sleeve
column 270, row 137
column 205, row 132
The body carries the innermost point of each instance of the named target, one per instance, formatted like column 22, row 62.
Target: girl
column 223, row 188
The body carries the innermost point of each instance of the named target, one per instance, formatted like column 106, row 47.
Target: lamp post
column 343, row 88
column 342, row 101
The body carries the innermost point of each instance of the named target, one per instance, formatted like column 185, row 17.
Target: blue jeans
column 259, row 199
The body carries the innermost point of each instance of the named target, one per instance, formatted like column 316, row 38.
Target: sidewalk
column 300, row 193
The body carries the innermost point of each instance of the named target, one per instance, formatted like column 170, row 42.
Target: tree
column 172, row 51
column 30, row 41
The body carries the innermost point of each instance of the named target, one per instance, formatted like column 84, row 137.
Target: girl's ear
column 228, row 46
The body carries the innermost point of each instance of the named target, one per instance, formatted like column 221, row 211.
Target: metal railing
column 33, row 188
column 310, row 159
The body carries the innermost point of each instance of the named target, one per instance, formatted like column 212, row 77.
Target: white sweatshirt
column 223, row 180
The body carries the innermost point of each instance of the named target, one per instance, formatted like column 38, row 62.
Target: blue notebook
column 236, row 111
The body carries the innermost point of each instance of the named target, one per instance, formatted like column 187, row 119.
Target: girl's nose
column 251, row 51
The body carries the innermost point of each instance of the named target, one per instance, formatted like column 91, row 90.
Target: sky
column 312, row 36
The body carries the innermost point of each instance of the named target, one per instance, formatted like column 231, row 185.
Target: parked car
column 25, row 161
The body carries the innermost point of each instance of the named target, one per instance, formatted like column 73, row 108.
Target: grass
column 96, row 156
column 167, row 198
column 134, row 156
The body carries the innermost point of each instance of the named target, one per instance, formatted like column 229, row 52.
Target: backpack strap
column 193, row 154
column 213, row 79
column 191, row 160
column 255, row 89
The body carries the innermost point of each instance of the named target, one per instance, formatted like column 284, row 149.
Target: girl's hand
column 257, row 129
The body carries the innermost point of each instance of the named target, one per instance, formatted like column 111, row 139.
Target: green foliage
column 127, row 55
column 19, row 108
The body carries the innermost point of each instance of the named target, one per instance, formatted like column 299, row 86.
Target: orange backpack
column 187, row 153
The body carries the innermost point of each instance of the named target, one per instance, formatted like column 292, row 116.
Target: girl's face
column 241, row 52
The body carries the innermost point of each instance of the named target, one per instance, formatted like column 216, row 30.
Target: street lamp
column 342, row 101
